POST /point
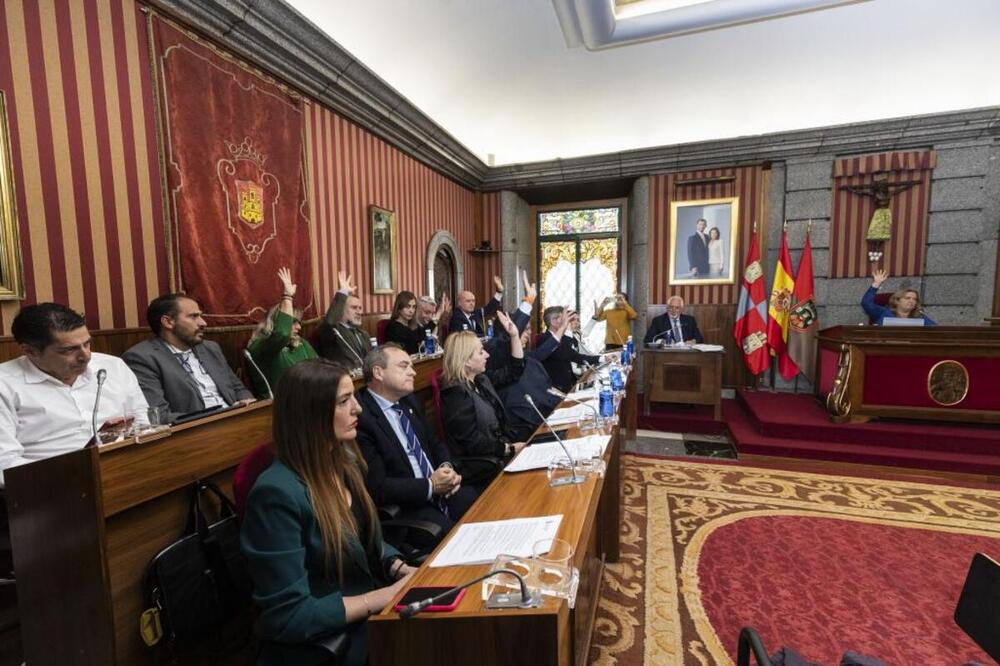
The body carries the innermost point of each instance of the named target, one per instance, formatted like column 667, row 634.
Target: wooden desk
column 550, row 635
column 946, row 373
column 682, row 376
column 85, row 525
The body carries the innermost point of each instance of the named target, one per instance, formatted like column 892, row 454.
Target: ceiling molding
column 893, row 134
column 275, row 37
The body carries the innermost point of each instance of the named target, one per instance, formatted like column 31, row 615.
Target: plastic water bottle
column 625, row 357
column 373, row 342
column 617, row 382
column 465, row 327
column 606, row 401
column 428, row 343
column 630, row 346
column 489, row 330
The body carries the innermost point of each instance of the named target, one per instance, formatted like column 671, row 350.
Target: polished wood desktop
column 682, row 375
column 85, row 525
column 942, row 373
column 552, row 634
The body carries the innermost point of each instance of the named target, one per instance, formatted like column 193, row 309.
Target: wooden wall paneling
column 716, row 323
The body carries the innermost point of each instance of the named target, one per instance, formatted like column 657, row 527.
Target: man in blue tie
column 407, row 465
column 673, row 326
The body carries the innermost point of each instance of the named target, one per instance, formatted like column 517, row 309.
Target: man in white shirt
column 179, row 371
column 49, row 402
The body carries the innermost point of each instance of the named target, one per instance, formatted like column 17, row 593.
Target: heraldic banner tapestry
column 233, row 151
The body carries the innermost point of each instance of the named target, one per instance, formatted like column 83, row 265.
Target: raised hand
column 529, row 288
column 878, row 277
column 507, row 324
column 498, row 282
column 287, row 285
column 344, row 282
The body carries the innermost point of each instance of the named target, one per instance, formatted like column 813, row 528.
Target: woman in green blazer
column 311, row 534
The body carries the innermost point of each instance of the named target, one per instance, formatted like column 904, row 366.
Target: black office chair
column 978, row 609
column 403, row 534
column 750, row 642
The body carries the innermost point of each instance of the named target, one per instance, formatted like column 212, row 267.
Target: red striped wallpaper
column 348, row 169
column 76, row 76
column 749, row 184
column 904, row 252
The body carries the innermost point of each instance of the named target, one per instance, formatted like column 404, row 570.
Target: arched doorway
column 444, row 273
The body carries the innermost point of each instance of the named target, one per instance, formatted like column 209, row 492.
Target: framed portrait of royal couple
column 703, row 239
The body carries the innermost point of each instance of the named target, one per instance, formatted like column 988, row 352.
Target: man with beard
column 178, row 370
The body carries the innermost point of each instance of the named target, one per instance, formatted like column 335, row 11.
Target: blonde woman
column 311, row 535
column 903, row 304
column 474, row 418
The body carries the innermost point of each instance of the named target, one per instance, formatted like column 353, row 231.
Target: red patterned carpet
column 819, row 563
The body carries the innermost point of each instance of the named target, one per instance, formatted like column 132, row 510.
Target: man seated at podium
column 674, row 326
column 407, row 464
column 903, row 304
column 55, row 395
column 179, row 371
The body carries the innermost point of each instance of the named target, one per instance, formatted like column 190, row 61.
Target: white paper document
column 539, row 456
column 574, row 413
column 581, row 396
column 480, row 543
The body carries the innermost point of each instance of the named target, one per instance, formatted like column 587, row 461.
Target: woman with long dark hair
column 311, row 534
column 405, row 327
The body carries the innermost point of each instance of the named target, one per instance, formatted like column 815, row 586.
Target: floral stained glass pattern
column 588, row 221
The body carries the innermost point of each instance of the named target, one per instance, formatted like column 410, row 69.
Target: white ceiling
column 498, row 76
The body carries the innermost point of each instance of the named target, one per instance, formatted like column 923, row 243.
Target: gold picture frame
column 694, row 260
column 11, row 271
column 382, row 241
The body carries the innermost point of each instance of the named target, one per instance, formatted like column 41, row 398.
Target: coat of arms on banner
column 251, row 197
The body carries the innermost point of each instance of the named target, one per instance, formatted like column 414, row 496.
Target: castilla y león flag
column 802, row 321
column 778, row 310
column 750, row 330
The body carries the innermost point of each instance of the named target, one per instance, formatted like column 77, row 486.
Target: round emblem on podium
column 948, row 383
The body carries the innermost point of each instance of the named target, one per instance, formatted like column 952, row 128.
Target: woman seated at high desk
column 474, row 419
column 311, row 535
column 405, row 329
column 904, row 303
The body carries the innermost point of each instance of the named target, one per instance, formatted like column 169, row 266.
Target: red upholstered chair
column 380, row 330
column 247, row 472
column 436, row 391
column 538, row 340
column 883, row 300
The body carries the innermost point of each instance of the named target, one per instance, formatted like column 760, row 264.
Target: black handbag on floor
column 198, row 589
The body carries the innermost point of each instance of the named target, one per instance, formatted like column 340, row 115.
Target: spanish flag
column 778, row 309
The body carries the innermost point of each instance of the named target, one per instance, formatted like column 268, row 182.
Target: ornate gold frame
column 374, row 211
column 734, row 213
column 11, row 271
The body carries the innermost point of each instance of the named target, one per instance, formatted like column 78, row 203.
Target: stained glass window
column 587, row 221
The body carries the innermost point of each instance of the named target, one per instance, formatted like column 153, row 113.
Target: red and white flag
column 750, row 330
column 803, row 322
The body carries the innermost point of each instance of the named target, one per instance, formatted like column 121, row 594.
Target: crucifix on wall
column 881, row 192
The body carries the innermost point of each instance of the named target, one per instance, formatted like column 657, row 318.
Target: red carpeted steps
column 790, row 425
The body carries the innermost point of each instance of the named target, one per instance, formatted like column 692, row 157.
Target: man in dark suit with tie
column 178, row 370
column 407, row 465
column 341, row 337
column 467, row 318
column 522, row 420
column 673, row 326
column 559, row 363
column 697, row 250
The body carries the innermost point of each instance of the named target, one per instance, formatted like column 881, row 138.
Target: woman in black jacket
column 404, row 327
column 474, row 419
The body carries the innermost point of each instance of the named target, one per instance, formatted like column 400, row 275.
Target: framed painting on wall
column 382, row 240
column 11, row 278
column 703, row 240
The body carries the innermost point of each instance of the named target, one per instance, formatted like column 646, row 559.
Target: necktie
column 184, row 359
column 416, row 451
column 676, row 326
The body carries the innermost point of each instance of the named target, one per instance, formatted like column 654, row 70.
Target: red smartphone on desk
column 415, row 594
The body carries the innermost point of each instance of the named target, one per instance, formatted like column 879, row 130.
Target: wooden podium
column 682, row 375
column 946, row 373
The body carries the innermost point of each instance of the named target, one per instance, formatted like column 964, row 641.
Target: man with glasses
column 673, row 326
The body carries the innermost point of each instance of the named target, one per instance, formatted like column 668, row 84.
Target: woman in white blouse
column 715, row 252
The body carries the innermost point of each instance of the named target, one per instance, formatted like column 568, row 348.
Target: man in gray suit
column 179, row 370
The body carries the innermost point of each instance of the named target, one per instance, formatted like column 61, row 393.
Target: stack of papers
column 708, row 348
column 581, row 396
column 570, row 415
column 480, row 543
column 540, row 456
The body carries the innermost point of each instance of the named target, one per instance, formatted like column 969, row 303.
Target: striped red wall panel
column 749, row 185
column 904, row 252
column 482, row 268
column 76, row 77
column 348, row 169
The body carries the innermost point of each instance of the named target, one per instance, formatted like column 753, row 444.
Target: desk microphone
column 102, row 375
column 349, row 347
column 270, row 394
column 572, row 461
column 669, row 332
column 528, row 598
